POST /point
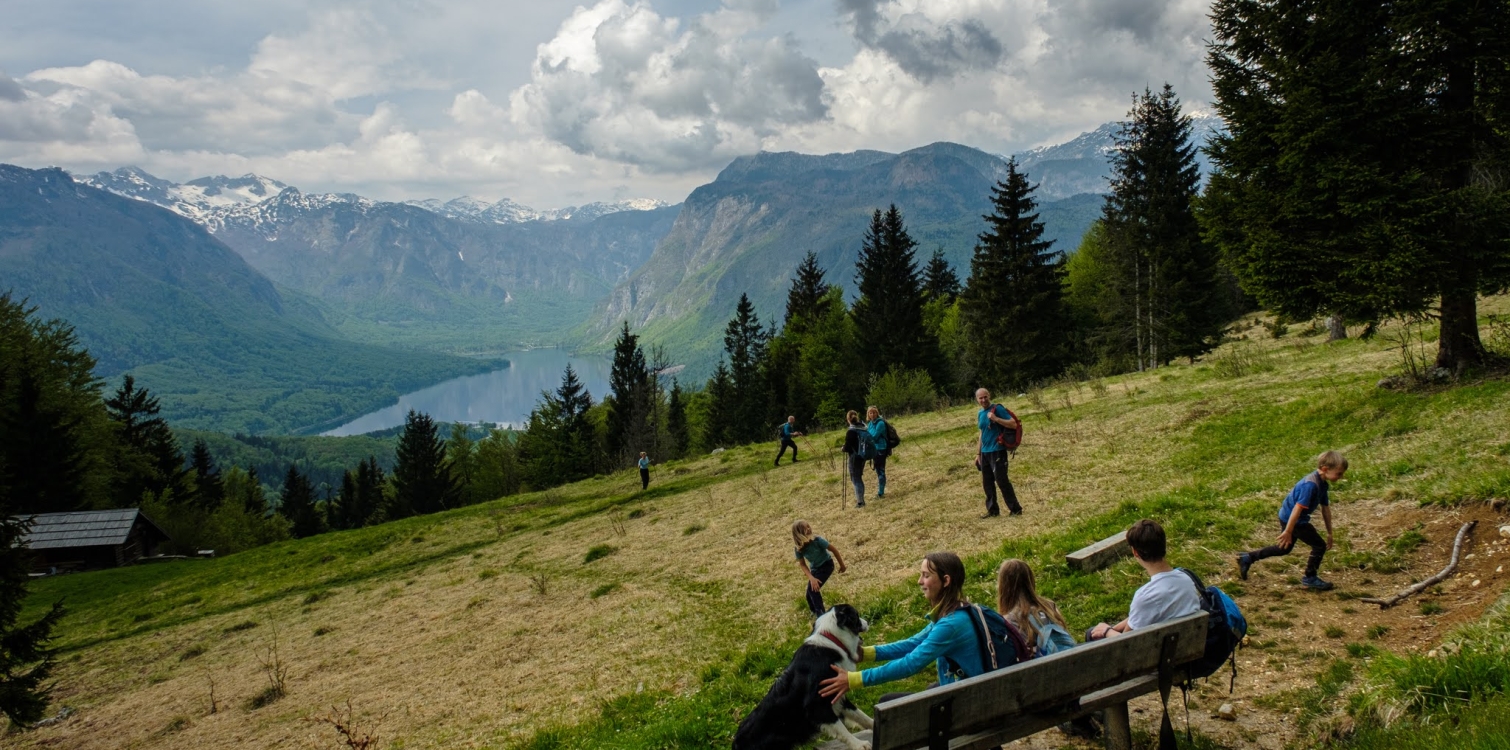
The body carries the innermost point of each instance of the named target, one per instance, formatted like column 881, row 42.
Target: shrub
column 901, row 392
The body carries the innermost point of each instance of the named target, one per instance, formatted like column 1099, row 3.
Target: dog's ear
column 848, row 617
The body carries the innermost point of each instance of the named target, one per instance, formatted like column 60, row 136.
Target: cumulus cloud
column 621, row 82
column 345, row 53
column 926, row 47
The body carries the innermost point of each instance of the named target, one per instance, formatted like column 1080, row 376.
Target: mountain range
column 151, row 293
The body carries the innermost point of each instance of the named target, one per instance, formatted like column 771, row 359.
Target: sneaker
column 1244, row 562
column 991, row 515
column 794, row 459
column 777, row 464
column 1312, row 582
column 1085, row 727
column 1017, row 512
column 860, row 504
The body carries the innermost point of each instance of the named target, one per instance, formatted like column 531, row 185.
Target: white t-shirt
column 1166, row 596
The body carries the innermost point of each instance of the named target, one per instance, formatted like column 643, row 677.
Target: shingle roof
column 89, row 528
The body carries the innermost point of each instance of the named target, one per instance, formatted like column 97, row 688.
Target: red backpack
column 1009, row 439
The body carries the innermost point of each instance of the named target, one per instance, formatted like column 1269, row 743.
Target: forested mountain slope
column 152, row 293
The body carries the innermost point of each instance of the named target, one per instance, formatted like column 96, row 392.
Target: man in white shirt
column 1169, row 594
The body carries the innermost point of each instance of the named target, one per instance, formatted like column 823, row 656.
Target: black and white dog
column 793, row 712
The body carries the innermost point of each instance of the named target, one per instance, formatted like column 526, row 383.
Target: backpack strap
column 983, row 638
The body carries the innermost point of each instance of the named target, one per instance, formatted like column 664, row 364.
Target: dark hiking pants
column 815, row 598
column 1304, row 532
column 993, row 473
column 786, row 441
column 644, row 478
column 857, row 477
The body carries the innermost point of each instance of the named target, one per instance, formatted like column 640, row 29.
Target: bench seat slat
column 1045, row 685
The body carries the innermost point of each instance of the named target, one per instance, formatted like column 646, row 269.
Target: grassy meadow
column 597, row 615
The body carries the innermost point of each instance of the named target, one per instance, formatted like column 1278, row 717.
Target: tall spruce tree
column 558, row 444
column 461, row 456
column 209, row 491
column 422, row 478
column 719, row 422
column 148, row 459
column 631, row 403
column 1011, row 306
column 805, row 295
column 1164, row 273
column 297, row 504
column 889, row 313
column 25, row 660
column 940, row 282
column 498, row 470
column 676, row 421
column 1362, row 172
column 745, row 342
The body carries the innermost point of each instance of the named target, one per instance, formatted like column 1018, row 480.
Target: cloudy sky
column 553, row 103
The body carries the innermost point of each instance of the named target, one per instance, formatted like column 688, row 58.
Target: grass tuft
column 598, row 552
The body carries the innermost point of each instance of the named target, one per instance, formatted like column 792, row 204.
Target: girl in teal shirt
column 948, row 638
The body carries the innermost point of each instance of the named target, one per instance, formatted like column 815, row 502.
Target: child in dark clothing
column 1295, row 521
column 816, row 557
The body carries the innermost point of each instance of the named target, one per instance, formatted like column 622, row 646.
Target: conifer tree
column 631, row 404
column 148, row 459
column 461, row 454
column 718, row 426
column 558, row 444
column 1165, row 275
column 248, row 490
column 1011, row 307
column 297, row 504
column 25, row 660
column 422, row 478
column 745, row 342
column 338, row 513
column 676, row 421
column 805, row 294
column 889, row 313
column 1362, row 173
column 498, row 471
column 939, row 280
column 208, row 488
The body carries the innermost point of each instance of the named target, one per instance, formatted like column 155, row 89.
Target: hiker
column 858, row 445
column 644, row 464
column 816, row 557
column 948, row 639
column 875, row 427
column 990, row 457
column 1295, row 521
column 788, row 431
column 1168, row 594
column 1037, row 617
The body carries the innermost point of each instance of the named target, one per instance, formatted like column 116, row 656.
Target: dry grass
column 477, row 650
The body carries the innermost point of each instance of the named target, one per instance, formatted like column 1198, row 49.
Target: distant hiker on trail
column 1295, row 521
column 644, row 471
column 788, row 431
column 816, row 557
column 875, row 428
column 1168, row 595
column 861, row 448
column 994, row 422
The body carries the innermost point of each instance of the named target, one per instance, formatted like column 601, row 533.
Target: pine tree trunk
column 1336, row 329
column 1458, row 346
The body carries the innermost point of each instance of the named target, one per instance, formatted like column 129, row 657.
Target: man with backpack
column 788, row 431
column 999, row 435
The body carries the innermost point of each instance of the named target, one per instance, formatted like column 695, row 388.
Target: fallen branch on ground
column 1457, row 549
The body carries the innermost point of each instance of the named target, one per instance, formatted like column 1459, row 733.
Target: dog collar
column 842, row 648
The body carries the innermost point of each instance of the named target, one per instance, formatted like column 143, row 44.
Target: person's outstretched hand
column 835, row 687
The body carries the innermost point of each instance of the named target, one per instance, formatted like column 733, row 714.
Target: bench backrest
column 981, row 702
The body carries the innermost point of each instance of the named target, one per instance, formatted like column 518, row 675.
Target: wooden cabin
column 91, row 539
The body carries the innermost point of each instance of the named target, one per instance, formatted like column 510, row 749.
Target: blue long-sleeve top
column 950, row 636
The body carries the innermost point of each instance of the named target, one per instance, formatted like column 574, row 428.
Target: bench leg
column 1118, row 727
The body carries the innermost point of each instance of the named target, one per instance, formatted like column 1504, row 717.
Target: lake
column 503, row 396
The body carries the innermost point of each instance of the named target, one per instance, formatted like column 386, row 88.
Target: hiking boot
column 992, row 515
column 860, row 504
column 1244, row 562
column 1017, row 512
column 1085, row 727
column 1312, row 582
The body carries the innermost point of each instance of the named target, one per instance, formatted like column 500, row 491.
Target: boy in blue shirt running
column 1295, row 521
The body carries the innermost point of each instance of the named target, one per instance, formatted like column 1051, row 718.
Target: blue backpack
column 1052, row 637
column 865, row 448
column 1225, row 629
column 1001, row 643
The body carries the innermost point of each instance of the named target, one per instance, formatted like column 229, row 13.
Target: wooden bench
column 1012, row 703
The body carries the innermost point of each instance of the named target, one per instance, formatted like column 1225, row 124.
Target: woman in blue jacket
column 948, row 640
